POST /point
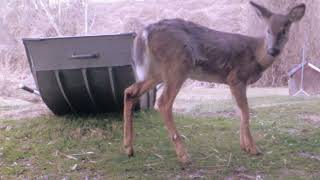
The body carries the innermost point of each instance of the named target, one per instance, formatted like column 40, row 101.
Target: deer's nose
column 273, row 52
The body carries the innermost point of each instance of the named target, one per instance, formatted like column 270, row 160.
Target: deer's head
column 278, row 26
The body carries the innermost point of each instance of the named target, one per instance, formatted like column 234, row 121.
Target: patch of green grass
column 51, row 147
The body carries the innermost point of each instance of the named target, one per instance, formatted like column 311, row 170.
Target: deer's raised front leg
column 246, row 141
column 131, row 97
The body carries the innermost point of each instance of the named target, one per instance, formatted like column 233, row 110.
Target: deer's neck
column 263, row 58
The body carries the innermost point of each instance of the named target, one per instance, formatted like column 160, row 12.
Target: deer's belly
column 200, row 75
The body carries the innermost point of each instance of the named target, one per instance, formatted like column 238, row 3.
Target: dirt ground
column 19, row 104
column 12, row 108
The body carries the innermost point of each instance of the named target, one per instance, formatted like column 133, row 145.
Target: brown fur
column 170, row 51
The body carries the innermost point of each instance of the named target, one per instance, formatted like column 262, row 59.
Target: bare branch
column 50, row 17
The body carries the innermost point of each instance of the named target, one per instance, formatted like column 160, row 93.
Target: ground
column 286, row 129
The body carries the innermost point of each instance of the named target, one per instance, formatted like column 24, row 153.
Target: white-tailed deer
column 170, row 51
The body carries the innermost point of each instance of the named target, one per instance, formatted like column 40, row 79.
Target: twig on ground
column 184, row 137
column 210, row 155
column 158, row 155
column 68, row 156
column 209, row 167
column 213, row 149
column 230, row 156
column 246, row 176
column 220, row 159
column 74, row 167
column 151, row 164
column 81, row 154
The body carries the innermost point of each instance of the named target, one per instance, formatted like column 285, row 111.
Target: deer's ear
column 261, row 11
column 297, row 13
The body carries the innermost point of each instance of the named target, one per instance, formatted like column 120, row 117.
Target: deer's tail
column 141, row 56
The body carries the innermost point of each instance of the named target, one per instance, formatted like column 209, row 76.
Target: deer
column 172, row 50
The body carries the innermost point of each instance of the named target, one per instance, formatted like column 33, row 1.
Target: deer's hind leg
column 131, row 97
column 165, row 103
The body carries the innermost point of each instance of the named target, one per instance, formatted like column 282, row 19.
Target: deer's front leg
column 246, row 141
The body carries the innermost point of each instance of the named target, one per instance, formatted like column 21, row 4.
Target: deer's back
column 179, row 41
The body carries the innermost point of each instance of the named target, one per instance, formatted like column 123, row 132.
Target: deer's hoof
column 251, row 150
column 185, row 161
column 129, row 151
